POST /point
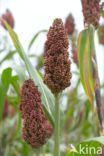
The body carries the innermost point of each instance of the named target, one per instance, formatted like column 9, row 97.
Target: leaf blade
column 47, row 96
column 4, row 85
column 35, row 37
column 85, row 51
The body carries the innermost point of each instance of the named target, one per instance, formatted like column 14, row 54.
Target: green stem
column 43, row 151
column 37, row 152
column 57, row 126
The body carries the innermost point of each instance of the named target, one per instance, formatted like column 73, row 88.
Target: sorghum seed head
column 36, row 127
column 57, row 64
column 8, row 17
column 70, row 24
column 75, row 56
column 101, row 34
column 91, row 12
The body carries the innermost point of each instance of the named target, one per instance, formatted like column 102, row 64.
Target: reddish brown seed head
column 101, row 34
column 8, row 17
column 91, row 12
column 75, row 56
column 70, row 24
column 57, row 64
column 37, row 129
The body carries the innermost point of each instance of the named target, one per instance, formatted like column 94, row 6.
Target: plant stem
column 98, row 96
column 43, row 151
column 38, row 152
column 57, row 126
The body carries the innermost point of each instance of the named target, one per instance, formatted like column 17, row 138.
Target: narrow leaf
column 35, row 37
column 8, row 56
column 85, row 51
column 4, row 85
column 47, row 96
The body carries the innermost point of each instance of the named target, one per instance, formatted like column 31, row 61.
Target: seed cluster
column 101, row 34
column 8, row 17
column 57, row 64
column 36, row 127
column 75, row 56
column 91, row 12
column 70, row 24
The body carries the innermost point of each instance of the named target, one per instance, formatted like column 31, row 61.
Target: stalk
column 98, row 96
column 43, row 150
column 57, row 126
column 38, row 152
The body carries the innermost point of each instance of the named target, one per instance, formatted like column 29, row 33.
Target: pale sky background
column 34, row 15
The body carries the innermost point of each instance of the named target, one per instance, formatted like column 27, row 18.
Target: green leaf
column 47, row 96
column 35, row 37
column 5, row 80
column 26, row 149
column 4, row 85
column 15, row 84
column 85, row 51
column 8, row 56
column 95, row 139
column 72, row 153
column 6, row 76
column 14, row 101
column 19, row 125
